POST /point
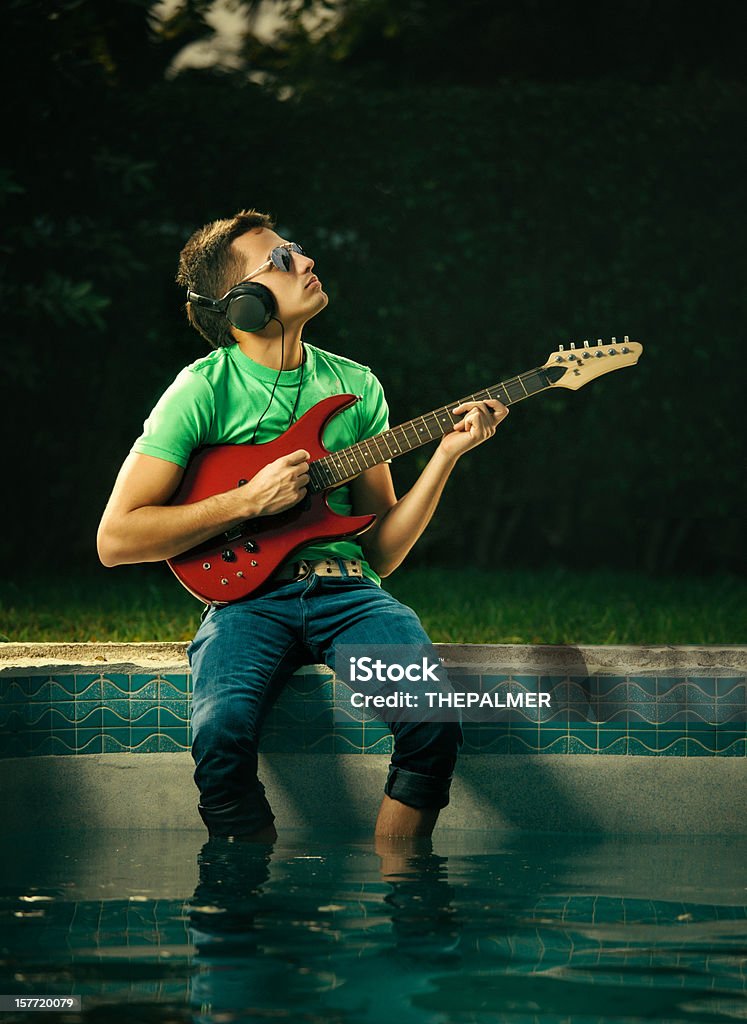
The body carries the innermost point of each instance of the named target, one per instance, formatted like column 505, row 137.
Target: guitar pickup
column 233, row 534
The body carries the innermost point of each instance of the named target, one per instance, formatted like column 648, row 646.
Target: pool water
column 322, row 927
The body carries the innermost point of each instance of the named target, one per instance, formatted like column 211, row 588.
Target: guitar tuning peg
column 586, row 344
column 614, row 341
column 599, row 341
column 560, row 348
column 573, row 345
column 627, row 339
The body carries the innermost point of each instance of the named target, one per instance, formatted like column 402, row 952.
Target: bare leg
column 398, row 819
column 268, row 834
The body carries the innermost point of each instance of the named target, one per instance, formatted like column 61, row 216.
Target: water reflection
column 157, row 927
column 361, row 955
column 367, row 933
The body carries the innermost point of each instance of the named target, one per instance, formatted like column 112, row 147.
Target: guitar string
column 326, row 464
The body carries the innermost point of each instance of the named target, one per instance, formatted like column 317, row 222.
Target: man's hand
column 477, row 426
column 278, row 486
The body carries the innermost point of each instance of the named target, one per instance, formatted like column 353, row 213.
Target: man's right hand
column 277, row 486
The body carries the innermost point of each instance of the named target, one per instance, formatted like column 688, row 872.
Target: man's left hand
column 478, row 425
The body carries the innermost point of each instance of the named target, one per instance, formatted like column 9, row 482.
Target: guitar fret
column 372, row 457
column 342, row 465
column 354, row 449
column 375, row 440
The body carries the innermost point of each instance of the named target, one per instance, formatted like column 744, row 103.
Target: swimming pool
column 161, row 926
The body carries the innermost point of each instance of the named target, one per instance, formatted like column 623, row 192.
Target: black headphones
column 249, row 306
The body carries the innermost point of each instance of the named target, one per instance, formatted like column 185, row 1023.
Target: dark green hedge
column 462, row 235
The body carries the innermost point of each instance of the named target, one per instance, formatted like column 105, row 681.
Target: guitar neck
column 347, row 463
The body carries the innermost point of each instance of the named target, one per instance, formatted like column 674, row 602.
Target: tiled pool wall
column 636, row 740
column 688, row 702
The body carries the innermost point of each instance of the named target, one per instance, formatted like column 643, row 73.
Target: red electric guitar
column 234, row 564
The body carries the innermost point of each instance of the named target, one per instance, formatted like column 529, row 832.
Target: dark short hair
column 208, row 266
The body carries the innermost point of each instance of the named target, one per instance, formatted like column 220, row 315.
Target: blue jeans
column 243, row 654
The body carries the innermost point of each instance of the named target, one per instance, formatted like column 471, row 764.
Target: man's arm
column 401, row 522
column 139, row 526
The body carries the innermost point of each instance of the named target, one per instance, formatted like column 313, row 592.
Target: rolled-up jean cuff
column 416, row 790
column 239, row 817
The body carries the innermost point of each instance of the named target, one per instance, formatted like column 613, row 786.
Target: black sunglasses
column 280, row 257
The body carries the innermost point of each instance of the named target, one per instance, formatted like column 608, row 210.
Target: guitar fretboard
column 347, row 463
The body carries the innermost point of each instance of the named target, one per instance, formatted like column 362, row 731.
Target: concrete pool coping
column 545, row 658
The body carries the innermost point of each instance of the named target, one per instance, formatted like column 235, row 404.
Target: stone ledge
column 540, row 659
column 590, row 795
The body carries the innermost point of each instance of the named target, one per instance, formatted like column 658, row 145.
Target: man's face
column 298, row 293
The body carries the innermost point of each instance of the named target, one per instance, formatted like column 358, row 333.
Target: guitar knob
column 228, row 555
column 250, row 546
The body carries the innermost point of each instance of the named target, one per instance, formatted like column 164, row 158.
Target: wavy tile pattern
column 644, row 714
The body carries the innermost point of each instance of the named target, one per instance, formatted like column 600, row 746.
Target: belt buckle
column 303, row 570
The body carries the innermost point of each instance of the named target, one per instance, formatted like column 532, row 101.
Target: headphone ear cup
column 250, row 307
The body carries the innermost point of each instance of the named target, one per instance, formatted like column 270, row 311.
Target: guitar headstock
column 586, row 362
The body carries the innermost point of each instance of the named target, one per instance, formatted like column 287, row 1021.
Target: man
column 249, row 389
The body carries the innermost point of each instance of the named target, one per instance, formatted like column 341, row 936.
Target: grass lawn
column 553, row 606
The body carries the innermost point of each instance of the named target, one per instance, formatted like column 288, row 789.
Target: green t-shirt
column 219, row 399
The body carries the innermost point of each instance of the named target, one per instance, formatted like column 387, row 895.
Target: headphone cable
column 274, row 386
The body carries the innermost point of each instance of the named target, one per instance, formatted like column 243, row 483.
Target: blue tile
column 89, row 713
column 490, row 681
column 12, row 716
column 614, row 688
column 383, row 745
column 173, row 713
column 140, row 734
column 144, row 687
column 89, row 741
column 116, row 683
column 311, row 684
column 143, row 713
column 737, row 747
column 610, row 734
column 274, row 741
column 145, row 746
column 673, row 746
column 43, row 718
column 726, row 737
column 730, row 714
column 317, row 741
column 706, row 684
column 115, row 687
column 116, row 740
column 346, row 745
column 14, row 745
column 582, row 744
column 643, row 688
column 732, row 691
column 671, row 690
column 552, row 741
column 172, row 742
column 11, row 685
column 116, row 714
column 497, row 744
column 173, row 686
column 42, row 746
column 522, row 744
